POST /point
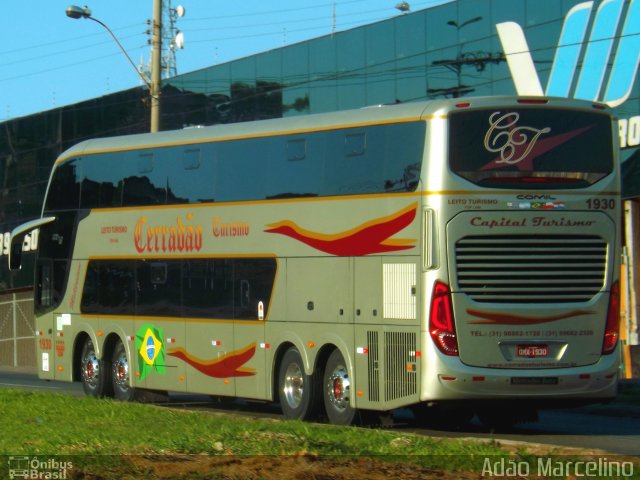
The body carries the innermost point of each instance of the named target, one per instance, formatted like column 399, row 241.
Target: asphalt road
column 613, row 428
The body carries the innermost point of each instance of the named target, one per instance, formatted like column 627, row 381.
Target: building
column 573, row 48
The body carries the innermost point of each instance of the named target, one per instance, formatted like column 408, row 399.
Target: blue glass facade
column 450, row 50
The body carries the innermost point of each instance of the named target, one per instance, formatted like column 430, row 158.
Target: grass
column 91, row 430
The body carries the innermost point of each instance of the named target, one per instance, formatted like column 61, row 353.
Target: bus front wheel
column 337, row 390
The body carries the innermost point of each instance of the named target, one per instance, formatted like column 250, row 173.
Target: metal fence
column 17, row 346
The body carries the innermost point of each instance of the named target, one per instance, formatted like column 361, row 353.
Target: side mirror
column 17, row 240
column 15, row 252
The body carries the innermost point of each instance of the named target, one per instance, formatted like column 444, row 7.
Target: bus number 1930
column 601, row 203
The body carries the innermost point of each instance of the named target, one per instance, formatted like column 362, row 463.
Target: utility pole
column 156, row 64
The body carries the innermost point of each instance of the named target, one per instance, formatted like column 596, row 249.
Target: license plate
column 532, row 351
column 534, row 380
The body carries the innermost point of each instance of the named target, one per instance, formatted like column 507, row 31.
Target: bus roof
column 381, row 114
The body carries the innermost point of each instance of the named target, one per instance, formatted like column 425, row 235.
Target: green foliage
column 48, row 424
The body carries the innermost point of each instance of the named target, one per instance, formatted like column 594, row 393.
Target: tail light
column 441, row 322
column 613, row 321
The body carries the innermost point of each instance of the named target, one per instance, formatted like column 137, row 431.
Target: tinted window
column 55, row 242
column 102, row 182
column 64, row 190
column 145, row 181
column 253, row 284
column 377, row 159
column 158, row 288
column 215, row 288
column 191, row 174
column 241, row 168
column 208, row 288
column 295, row 166
column 542, row 147
column 109, row 288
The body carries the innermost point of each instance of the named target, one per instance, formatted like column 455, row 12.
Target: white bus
column 455, row 256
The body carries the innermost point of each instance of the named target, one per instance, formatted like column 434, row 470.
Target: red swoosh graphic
column 541, row 147
column 230, row 365
column 370, row 237
column 494, row 318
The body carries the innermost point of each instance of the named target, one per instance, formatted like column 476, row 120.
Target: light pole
column 76, row 12
column 477, row 59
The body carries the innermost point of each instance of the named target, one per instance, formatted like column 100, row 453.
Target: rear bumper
column 453, row 380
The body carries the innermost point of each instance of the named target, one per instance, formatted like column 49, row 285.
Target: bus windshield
column 539, row 148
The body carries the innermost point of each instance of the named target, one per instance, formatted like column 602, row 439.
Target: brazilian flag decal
column 150, row 352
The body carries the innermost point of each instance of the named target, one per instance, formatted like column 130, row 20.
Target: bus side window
column 191, row 159
column 355, row 144
column 296, row 149
column 207, row 288
column 158, row 288
column 90, row 292
column 64, row 191
column 254, row 278
column 190, row 174
column 145, row 181
column 117, row 282
column 145, row 162
column 101, row 180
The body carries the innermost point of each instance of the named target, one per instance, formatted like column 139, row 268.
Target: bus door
column 55, row 330
column 44, row 326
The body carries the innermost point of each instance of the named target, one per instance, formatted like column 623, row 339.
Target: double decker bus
column 458, row 255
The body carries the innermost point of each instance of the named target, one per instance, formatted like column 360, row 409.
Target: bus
column 456, row 256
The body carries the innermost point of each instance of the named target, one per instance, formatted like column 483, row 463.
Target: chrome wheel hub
column 293, row 385
column 91, row 370
column 121, row 372
column 339, row 388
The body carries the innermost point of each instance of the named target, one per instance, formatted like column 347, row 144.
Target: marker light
column 613, row 321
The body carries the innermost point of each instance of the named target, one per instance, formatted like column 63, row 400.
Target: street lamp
column 76, row 12
column 478, row 59
column 404, row 7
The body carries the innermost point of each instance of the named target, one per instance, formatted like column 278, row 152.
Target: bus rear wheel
column 120, row 374
column 93, row 371
column 337, row 390
column 297, row 391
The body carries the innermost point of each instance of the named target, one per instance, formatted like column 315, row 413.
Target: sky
column 48, row 60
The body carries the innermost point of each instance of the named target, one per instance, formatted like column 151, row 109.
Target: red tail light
column 441, row 322
column 613, row 321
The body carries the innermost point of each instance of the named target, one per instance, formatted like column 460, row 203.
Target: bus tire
column 93, row 371
column 297, row 391
column 120, row 374
column 337, row 390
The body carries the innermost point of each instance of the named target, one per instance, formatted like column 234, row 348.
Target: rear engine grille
column 531, row 268
column 400, row 365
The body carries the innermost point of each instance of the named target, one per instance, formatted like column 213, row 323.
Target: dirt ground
column 305, row 466
column 299, row 467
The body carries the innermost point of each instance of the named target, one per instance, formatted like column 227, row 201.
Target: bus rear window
column 532, row 147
